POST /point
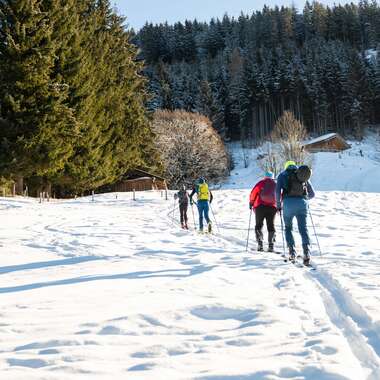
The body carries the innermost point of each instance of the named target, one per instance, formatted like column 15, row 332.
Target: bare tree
column 189, row 147
column 271, row 160
column 286, row 144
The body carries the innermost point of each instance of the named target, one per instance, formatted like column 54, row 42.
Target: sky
column 156, row 11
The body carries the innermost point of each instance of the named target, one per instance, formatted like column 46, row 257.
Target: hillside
column 346, row 171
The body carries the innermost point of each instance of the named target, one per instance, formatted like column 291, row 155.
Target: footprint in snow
column 239, row 343
column 152, row 352
column 368, row 253
column 222, row 313
column 49, row 351
column 29, row 363
column 142, row 367
column 111, row 330
column 326, row 350
column 212, row 337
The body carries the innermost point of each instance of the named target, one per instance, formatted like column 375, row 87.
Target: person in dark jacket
column 183, row 201
column 263, row 201
column 293, row 198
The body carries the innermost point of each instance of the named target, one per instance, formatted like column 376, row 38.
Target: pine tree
column 114, row 134
column 38, row 125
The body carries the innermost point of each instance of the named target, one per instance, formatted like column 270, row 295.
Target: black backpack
column 182, row 197
column 296, row 185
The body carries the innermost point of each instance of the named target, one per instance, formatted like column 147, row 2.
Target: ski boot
column 271, row 240
column 186, row 226
column 292, row 254
column 306, row 255
column 260, row 247
column 209, row 227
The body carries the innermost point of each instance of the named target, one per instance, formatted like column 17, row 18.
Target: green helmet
column 289, row 163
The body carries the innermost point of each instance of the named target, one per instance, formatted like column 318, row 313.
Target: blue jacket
column 280, row 187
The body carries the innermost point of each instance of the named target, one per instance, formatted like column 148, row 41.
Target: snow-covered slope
column 356, row 169
column 113, row 289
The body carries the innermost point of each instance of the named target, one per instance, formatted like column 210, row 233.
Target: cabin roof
column 138, row 174
column 323, row 138
column 318, row 141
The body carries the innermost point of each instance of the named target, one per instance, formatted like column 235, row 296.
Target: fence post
column 166, row 194
column 134, row 194
column 93, row 199
column 47, row 197
column 14, row 190
column 40, row 197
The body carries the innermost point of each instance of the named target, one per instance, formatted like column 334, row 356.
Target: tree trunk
column 19, row 189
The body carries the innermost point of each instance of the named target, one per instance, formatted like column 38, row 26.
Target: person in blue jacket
column 292, row 195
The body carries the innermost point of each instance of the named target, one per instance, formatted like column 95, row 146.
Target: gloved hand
column 191, row 202
column 250, row 206
column 279, row 208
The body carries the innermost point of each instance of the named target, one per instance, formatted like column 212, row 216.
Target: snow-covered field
column 113, row 289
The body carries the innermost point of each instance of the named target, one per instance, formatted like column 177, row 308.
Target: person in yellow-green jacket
column 204, row 196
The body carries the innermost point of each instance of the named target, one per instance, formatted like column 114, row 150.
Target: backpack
column 203, row 193
column 297, row 181
column 268, row 192
column 182, row 196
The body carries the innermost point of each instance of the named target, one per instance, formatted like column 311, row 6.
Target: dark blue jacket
column 280, row 187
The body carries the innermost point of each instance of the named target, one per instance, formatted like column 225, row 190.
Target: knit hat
column 268, row 174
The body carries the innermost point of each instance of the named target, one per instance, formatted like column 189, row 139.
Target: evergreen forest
column 243, row 73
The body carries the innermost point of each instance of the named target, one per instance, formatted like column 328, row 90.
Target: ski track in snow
column 114, row 289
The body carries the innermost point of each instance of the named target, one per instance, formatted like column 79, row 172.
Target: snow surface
column 113, row 289
column 371, row 55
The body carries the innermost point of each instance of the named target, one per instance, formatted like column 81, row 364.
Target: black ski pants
column 183, row 212
column 267, row 213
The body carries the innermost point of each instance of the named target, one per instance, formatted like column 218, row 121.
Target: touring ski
column 299, row 264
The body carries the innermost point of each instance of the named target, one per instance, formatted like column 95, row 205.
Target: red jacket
column 255, row 199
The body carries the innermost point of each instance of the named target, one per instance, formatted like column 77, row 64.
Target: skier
column 293, row 190
column 183, row 202
column 263, row 200
column 204, row 197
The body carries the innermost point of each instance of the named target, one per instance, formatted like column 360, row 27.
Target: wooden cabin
column 331, row 142
column 139, row 180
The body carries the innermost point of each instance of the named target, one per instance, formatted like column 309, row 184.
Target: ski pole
column 249, row 228
column 173, row 208
column 315, row 231
column 212, row 212
column 282, row 234
column 192, row 211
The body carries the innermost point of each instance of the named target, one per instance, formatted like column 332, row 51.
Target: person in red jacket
column 263, row 200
